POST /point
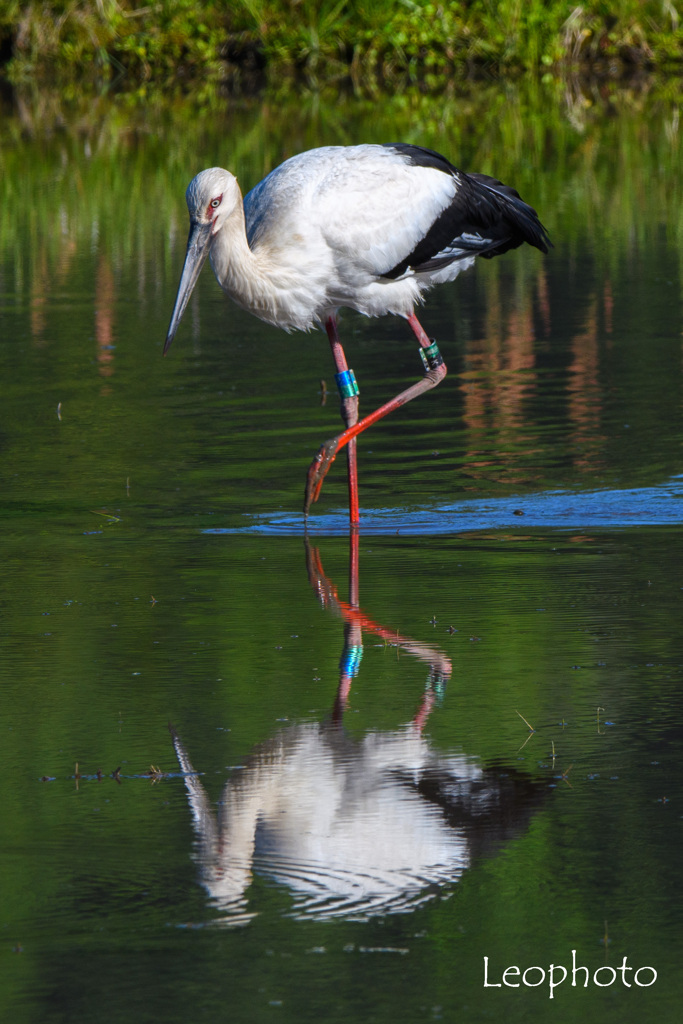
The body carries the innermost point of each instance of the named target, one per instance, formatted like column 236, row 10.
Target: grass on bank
column 171, row 40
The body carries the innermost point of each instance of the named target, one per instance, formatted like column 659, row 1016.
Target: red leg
column 349, row 411
column 328, row 451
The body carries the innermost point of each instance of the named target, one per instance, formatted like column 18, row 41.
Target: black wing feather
column 486, row 218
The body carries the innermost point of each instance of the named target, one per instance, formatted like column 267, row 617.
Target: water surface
column 354, row 805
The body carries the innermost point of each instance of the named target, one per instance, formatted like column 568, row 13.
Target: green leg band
column 431, row 357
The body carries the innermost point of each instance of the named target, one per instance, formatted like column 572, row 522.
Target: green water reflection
column 236, row 649
column 121, row 613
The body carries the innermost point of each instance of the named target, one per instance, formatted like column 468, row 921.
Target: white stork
column 370, row 227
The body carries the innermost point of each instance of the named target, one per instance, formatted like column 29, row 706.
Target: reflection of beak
column 198, row 245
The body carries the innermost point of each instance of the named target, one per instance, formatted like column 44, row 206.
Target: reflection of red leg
column 340, row 701
column 354, row 597
column 351, row 612
column 350, row 417
column 355, row 621
column 328, row 451
column 426, row 705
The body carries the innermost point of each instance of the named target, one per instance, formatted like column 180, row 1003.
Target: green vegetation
column 240, row 41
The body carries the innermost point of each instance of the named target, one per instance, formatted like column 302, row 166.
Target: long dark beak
column 198, row 245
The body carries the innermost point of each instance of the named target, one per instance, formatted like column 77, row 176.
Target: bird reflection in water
column 354, row 828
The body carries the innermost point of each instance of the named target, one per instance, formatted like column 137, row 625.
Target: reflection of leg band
column 431, row 357
column 350, row 660
column 436, row 682
column 346, row 382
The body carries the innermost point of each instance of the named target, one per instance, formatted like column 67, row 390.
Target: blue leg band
column 346, row 382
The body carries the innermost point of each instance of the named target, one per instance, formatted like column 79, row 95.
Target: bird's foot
column 317, row 471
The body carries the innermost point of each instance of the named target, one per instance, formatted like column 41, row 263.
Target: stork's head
column 211, row 197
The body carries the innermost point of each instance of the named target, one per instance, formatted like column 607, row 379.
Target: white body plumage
column 334, row 227
column 338, row 219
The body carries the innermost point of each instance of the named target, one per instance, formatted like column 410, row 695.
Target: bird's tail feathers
column 522, row 218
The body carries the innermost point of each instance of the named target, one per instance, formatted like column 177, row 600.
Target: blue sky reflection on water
column 559, row 510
